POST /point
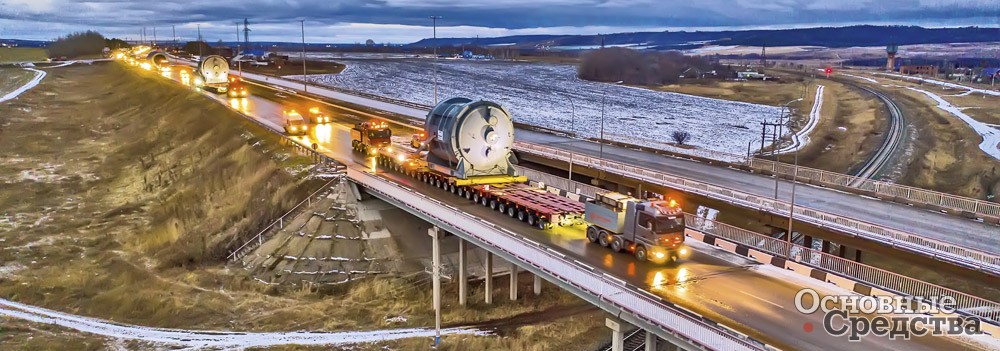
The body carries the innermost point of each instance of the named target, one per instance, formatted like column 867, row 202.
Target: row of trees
column 639, row 67
column 80, row 44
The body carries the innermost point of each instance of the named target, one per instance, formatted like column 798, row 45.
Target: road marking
column 761, row 299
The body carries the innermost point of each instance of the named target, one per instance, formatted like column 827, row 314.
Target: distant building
column 924, row 70
column 989, row 75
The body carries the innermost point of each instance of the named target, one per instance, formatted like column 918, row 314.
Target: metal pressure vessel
column 471, row 138
column 214, row 69
column 158, row 59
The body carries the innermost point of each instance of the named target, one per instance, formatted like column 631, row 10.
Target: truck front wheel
column 640, row 253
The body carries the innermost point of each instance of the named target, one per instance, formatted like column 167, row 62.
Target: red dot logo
column 808, row 327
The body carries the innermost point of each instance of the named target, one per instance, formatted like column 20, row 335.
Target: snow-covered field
column 550, row 96
column 204, row 339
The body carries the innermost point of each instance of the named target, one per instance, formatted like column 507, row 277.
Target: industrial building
column 923, row 70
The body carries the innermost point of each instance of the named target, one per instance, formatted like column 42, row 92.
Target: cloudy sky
column 403, row 21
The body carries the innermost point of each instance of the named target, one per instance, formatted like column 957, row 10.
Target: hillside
column 834, row 37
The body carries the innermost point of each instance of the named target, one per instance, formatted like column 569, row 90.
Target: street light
column 791, row 209
column 777, row 141
column 572, row 124
column 305, row 76
column 604, row 96
column 434, row 20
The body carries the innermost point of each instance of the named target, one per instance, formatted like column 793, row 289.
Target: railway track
column 893, row 139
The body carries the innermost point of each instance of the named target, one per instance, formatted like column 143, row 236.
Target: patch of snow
column 39, row 75
column 203, row 339
column 991, row 137
column 551, row 96
column 802, row 137
column 396, row 319
column 860, row 77
column 944, row 84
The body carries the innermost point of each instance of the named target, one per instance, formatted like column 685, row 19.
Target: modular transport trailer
column 469, row 154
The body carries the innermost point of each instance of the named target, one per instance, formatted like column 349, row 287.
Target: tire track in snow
column 212, row 339
column 802, row 136
column 39, row 75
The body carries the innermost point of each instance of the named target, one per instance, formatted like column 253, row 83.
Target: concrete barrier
column 760, row 256
column 840, row 281
column 726, row 245
column 798, row 268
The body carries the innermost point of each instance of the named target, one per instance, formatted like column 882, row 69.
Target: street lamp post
column 604, row 96
column 791, row 208
column 305, row 76
column 572, row 124
column 774, row 149
column 434, row 20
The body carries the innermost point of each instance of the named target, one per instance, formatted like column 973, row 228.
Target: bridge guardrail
column 972, row 305
column 608, row 289
column 914, row 194
column 955, row 254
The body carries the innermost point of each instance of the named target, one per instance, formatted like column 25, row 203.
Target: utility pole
column 200, row 42
column 173, row 32
column 434, row 20
column 305, row 77
column 154, row 35
column 791, row 209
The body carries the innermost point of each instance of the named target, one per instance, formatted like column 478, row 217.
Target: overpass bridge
column 618, row 286
column 927, row 230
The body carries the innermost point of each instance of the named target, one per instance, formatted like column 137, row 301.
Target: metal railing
column 913, row 194
column 877, row 277
column 608, row 289
column 955, row 254
column 258, row 239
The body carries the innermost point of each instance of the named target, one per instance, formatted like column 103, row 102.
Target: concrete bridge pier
column 617, row 333
column 489, row 278
column 513, row 281
column 463, row 276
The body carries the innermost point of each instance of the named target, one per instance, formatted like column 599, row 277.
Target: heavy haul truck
column 651, row 229
column 466, row 148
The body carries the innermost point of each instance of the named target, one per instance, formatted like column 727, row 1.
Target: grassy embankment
column 119, row 202
column 946, row 155
column 8, row 55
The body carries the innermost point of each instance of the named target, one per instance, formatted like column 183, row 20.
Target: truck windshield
column 666, row 225
column 379, row 134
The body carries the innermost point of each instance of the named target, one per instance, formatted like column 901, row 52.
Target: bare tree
column 680, row 137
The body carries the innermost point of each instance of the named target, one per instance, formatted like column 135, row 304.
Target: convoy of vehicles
column 469, row 153
column 466, row 149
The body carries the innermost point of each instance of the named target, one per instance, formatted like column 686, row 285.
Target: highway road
column 751, row 298
column 938, row 226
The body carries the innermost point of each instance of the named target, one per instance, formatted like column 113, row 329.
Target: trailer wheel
column 483, row 200
column 494, row 204
column 475, row 196
column 512, row 212
column 541, row 224
column 469, row 194
column 592, row 234
column 532, row 220
column 640, row 253
column 354, row 145
column 603, row 239
column 616, row 245
column 502, row 207
column 522, row 216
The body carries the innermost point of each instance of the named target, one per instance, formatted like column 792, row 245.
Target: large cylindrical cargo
column 471, row 138
column 214, row 69
column 158, row 59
